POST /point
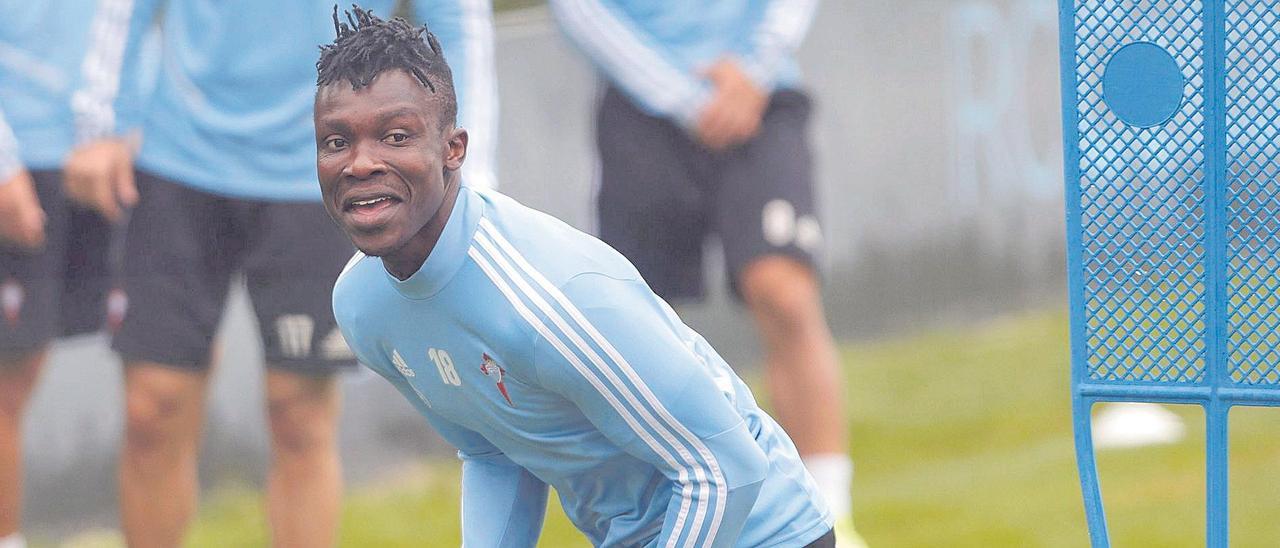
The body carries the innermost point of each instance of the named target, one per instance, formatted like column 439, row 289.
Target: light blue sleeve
column 615, row 355
column 465, row 31
column 776, row 39
column 10, row 160
column 503, row 504
column 631, row 58
column 113, row 52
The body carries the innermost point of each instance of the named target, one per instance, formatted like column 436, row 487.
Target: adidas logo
column 401, row 366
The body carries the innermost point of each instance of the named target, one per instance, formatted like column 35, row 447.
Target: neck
column 409, row 258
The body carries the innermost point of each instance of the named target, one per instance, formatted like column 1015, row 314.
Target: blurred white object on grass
column 1121, row 425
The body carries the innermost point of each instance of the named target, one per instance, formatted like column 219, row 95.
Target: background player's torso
column 42, row 45
column 232, row 108
column 697, row 32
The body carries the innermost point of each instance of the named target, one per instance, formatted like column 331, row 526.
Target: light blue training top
column 655, row 50
column 232, row 109
column 42, row 47
column 540, row 353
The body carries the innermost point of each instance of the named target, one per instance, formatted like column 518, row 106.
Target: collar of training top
column 450, row 251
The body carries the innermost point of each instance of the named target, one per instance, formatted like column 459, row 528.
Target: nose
column 364, row 164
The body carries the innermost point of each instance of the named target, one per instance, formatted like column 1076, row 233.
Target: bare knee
column 162, row 407
column 152, row 419
column 783, row 295
column 18, row 376
column 303, row 414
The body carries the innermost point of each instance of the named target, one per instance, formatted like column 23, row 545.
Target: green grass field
column 962, row 438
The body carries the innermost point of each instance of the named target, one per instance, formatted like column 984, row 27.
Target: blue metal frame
column 1203, row 233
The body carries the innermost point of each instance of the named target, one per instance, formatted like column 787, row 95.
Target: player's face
column 383, row 158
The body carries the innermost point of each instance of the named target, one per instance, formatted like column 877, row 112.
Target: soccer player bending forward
column 535, row 349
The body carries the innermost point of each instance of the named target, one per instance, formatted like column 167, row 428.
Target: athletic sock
column 13, row 540
column 833, row 472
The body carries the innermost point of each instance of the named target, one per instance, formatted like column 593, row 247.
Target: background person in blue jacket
column 54, row 272
column 225, row 187
column 21, row 217
column 535, row 349
column 703, row 131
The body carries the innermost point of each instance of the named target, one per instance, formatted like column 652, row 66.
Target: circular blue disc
column 1142, row 84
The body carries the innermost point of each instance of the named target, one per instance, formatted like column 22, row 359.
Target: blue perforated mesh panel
column 1142, row 203
column 1173, row 216
column 1253, row 203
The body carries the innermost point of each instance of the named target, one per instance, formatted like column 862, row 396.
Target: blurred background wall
column 939, row 164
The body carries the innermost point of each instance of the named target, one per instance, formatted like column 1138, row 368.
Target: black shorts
column 183, row 249
column 662, row 193
column 62, row 289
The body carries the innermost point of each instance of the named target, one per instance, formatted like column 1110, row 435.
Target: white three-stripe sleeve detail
column 629, row 395
column 630, row 60
column 480, row 101
column 785, row 24
column 778, row 35
column 93, row 103
column 594, row 380
column 717, row 477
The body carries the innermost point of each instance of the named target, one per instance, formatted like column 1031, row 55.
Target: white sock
column 833, row 472
column 14, row 540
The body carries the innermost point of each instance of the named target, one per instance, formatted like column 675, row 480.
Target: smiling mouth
column 367, row 203
column 370, row 212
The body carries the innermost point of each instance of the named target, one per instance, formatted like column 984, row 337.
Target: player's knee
column 782, row 293
column 155, row 418
column 17, row 380
column 301, row 425
column 13, row 401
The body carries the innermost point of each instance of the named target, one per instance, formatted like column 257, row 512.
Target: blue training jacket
column 232, row 109
column 42, row 47
column 654, row 50
column 540, row 353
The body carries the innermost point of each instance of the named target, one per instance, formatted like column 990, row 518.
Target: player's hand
column 735, row 111
column 99, row 175
column 21, row 218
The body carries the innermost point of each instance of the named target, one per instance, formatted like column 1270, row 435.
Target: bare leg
column 801, row 365
column 804, row 377
column 18, row 375
column 159, row 487
column 304, row 488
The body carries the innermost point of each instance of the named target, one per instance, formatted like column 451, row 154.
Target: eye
column 335, row 143
column 396, row 137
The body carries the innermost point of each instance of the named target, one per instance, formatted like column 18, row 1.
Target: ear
column 457, row 149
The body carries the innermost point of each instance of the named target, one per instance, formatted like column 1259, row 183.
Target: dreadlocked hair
column 367, row 46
